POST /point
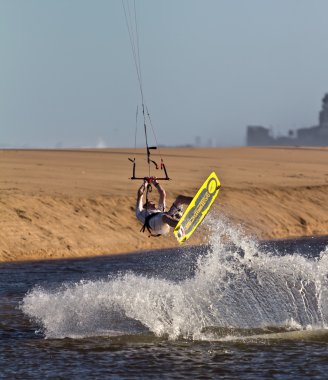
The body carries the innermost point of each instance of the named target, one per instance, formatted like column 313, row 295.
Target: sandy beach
column 74, row 203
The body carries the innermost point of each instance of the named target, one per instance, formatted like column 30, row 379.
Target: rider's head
column 150, row 205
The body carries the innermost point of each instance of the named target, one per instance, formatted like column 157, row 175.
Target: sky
column 209, row 69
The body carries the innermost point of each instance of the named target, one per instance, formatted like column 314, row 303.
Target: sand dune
column 70, row 203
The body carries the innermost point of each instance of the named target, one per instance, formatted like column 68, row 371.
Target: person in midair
column 154, row 217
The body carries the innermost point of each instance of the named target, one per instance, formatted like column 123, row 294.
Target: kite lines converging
column 131, row 20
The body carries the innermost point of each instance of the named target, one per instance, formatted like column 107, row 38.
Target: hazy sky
column 210, row 67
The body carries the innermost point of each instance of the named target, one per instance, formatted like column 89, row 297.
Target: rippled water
column 235, row 308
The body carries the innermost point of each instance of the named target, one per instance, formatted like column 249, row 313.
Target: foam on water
column 236, row 286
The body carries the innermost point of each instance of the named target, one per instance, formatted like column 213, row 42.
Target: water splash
column 236, row 288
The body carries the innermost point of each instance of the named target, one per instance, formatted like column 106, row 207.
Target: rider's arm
column 162, row 195
column 139, row 205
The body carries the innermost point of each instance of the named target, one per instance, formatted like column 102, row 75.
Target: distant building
column 312, row 136
column 257, row 135
column 198, row 141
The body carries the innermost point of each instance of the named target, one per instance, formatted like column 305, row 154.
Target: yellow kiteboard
column 198, row 208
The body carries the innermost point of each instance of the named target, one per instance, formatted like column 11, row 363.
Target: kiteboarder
column 154, row 217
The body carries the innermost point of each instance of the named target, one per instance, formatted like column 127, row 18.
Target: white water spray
column 235, row 286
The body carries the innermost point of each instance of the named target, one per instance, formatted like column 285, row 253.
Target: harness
column 146, row 224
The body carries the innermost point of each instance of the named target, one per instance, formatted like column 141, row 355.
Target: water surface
column 235, row 308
